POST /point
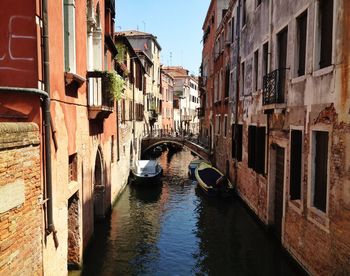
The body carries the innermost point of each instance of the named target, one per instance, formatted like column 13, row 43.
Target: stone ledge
column 18, row 135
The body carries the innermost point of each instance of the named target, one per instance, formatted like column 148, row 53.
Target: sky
column 177, row 25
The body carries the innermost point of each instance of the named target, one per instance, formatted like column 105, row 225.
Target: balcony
column 100, row 99
column 185, row 117
column 274, row 87
column 202, row 82
column 152, row 116
column 200, row 112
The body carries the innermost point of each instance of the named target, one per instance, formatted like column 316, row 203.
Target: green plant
column 115, row 84
column 121, row 55
column 153, row 106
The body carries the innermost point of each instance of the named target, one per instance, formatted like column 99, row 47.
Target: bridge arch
column 149, row 143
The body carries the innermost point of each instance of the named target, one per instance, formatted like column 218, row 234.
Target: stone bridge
column 189, row 142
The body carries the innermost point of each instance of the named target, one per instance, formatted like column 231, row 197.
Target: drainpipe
column 238, row 69
column 48, row 169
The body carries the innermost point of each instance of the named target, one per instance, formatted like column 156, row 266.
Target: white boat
column 146, row 171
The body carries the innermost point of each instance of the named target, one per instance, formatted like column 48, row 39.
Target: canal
column 173, row 229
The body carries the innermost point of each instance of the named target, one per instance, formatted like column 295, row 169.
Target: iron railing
column 274, row 86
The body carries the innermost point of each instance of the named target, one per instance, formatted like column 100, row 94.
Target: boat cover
column 146, row 166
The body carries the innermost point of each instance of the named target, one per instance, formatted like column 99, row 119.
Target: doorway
column 99, row 188
column 276, row 189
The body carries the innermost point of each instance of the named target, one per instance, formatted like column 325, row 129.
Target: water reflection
column 173, row 229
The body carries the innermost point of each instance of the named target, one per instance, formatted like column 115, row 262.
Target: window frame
column 297, row 202
column 317, row 39
column 69, row 42
column 302, row 13
column 311, row 169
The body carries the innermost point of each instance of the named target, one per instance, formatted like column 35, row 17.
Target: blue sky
column 177, row 24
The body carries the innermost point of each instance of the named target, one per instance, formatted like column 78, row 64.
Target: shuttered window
column 256, row 148
column 320, row 169
column 295, row 164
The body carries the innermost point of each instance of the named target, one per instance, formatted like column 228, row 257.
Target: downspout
column 47, row 117
column 238, row 69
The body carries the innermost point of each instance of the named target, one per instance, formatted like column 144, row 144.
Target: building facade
column 167, row 86
column 148, row 49
column 289, row 101
column 186, row 100
column 61, row 129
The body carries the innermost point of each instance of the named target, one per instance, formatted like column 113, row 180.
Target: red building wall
column 18, row 44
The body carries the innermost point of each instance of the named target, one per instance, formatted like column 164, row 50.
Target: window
column 222, row 42
column 256, row 69
column 221, row 80
column 301, row 40
column 260, row 150
column 225, row 126
column 251, row 146
column 265, row 61
column 324, row 33
column 237, row 141
column 69, row 36
column 216, row 82
column 233, row 29
column 244, row 13
column 242, row 77
column 217, row 47
column 112, row 149
column 73, row 168
column 218, row 124
column 319, row 169
column 227, row 81
column 282, row 43
column 256, row 148
column 296, row 149
column 123, row 119
column 229, row 32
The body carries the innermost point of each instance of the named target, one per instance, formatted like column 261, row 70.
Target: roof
column 176, row 71
column 138, row 34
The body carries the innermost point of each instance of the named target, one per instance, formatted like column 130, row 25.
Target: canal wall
column 21, row 194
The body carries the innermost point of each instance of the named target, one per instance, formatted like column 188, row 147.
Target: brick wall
column 21, row 215
column 321, row 242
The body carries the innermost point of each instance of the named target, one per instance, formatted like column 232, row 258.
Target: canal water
column 173, row 229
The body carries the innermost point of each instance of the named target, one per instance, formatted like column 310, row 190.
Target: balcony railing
column 100, row 99
column 274, row 86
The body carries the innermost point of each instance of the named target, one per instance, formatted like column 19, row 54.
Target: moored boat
column 193, row 166
column 146, row 172
column 212, row 181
